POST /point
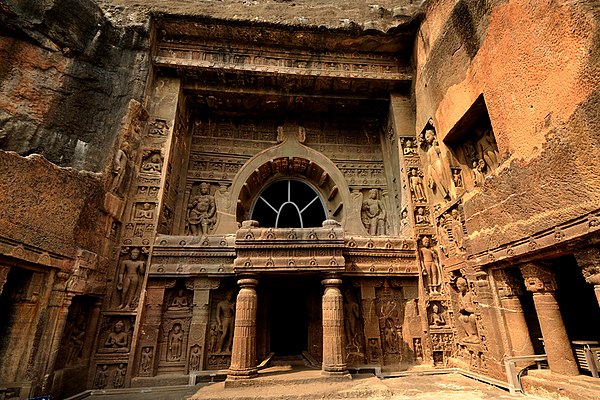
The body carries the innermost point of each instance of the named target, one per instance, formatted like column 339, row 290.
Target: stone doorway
column 293, row 316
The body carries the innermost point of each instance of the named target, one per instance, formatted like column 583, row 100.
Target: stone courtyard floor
column 276, row 383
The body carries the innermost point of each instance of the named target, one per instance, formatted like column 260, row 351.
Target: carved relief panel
column 390, row 308
column 220, row 335
column 353, row 327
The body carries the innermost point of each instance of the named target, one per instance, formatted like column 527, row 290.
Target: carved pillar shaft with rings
column 334, row 359
column 540, row 280
column 510, row 288
column 243, row 352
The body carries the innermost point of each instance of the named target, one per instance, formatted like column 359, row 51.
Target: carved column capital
column 508, row 282
column 538, row 278
column 588, row 260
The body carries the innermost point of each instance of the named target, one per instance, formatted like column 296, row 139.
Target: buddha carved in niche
column 437, row 176
column 466, row 311
column 225, row 322
column 487, row 148
column 373, row 213
column 432, row 270
column 175, row 343
column 201, row 212
column 130, row 277
column 117, row 339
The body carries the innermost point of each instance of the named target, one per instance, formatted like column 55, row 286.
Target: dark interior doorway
column 577, row 301
column 288, row 317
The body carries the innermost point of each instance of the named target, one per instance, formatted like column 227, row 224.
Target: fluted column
column 510, row 288
column 540, row 280
column 333, row 328
column 243, row 352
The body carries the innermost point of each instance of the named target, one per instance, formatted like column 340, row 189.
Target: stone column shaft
column 510, row 287
column 243, row 352
column 541, row 281
column 333, row 328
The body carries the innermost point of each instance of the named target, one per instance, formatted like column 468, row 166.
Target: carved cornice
column 560, row 236
column 34, row 255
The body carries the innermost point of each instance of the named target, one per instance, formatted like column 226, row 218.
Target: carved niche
column 220, row 335
column 473, row 146
column 431, row 268
column 436, row 169
column 201, row 213
column 115, row 336
column 373, row 213
column 72, row 351
column 110, row 376
column 353, row 327
column 130, row 276
column 152, row 162
column 390, row 305
column 451, row 232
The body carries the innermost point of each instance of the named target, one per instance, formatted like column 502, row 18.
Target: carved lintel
column 508, row 283
column 538, row 278
column 202, row 283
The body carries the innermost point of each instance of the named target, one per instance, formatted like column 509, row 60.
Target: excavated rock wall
column 66, row 78
column 537, row 65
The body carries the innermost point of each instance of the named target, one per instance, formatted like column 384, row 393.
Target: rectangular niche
column 473, row 147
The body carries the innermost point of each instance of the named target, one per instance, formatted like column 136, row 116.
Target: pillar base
column 343, row 375
column 237, row 376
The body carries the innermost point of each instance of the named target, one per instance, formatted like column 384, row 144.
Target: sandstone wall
column 537, row 65
column 52, row 208
column 66, row 77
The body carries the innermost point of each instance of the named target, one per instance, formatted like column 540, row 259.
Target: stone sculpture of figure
column 175, row 343
column 437, row 174
column 436, row 318
column 160, row 128
column 222, row 197
column 418, row 348
column 457, row 178
column 389, row 337
column 152, row 162
column 101, row 380
column 443, row 237
column 119, row 166
column 404, row 218
column 431, row 266
column 180, row 300
column 416, row 185
column 131, row 275
column 119, row 379
column 466, row 311
column 421, row 218
column 214, row 337
column 457, row 232
column 195, row 359
column 486, row 148
column 145, row 212
column 225, row 320
column 408, row 148
column 478, row 173
column 373, row 214
column 118, row 338
column 146, row 363
column 75, row 340
column 201, row 211
column 351, row 320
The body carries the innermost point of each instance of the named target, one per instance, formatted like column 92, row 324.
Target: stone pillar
column 333, row 328
column 588, row 260
column 509, row 289
column 199, row 324
column 540, row 280
column 243, row 352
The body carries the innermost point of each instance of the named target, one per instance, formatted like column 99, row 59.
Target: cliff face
column 537, row 66
column 66, row 78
